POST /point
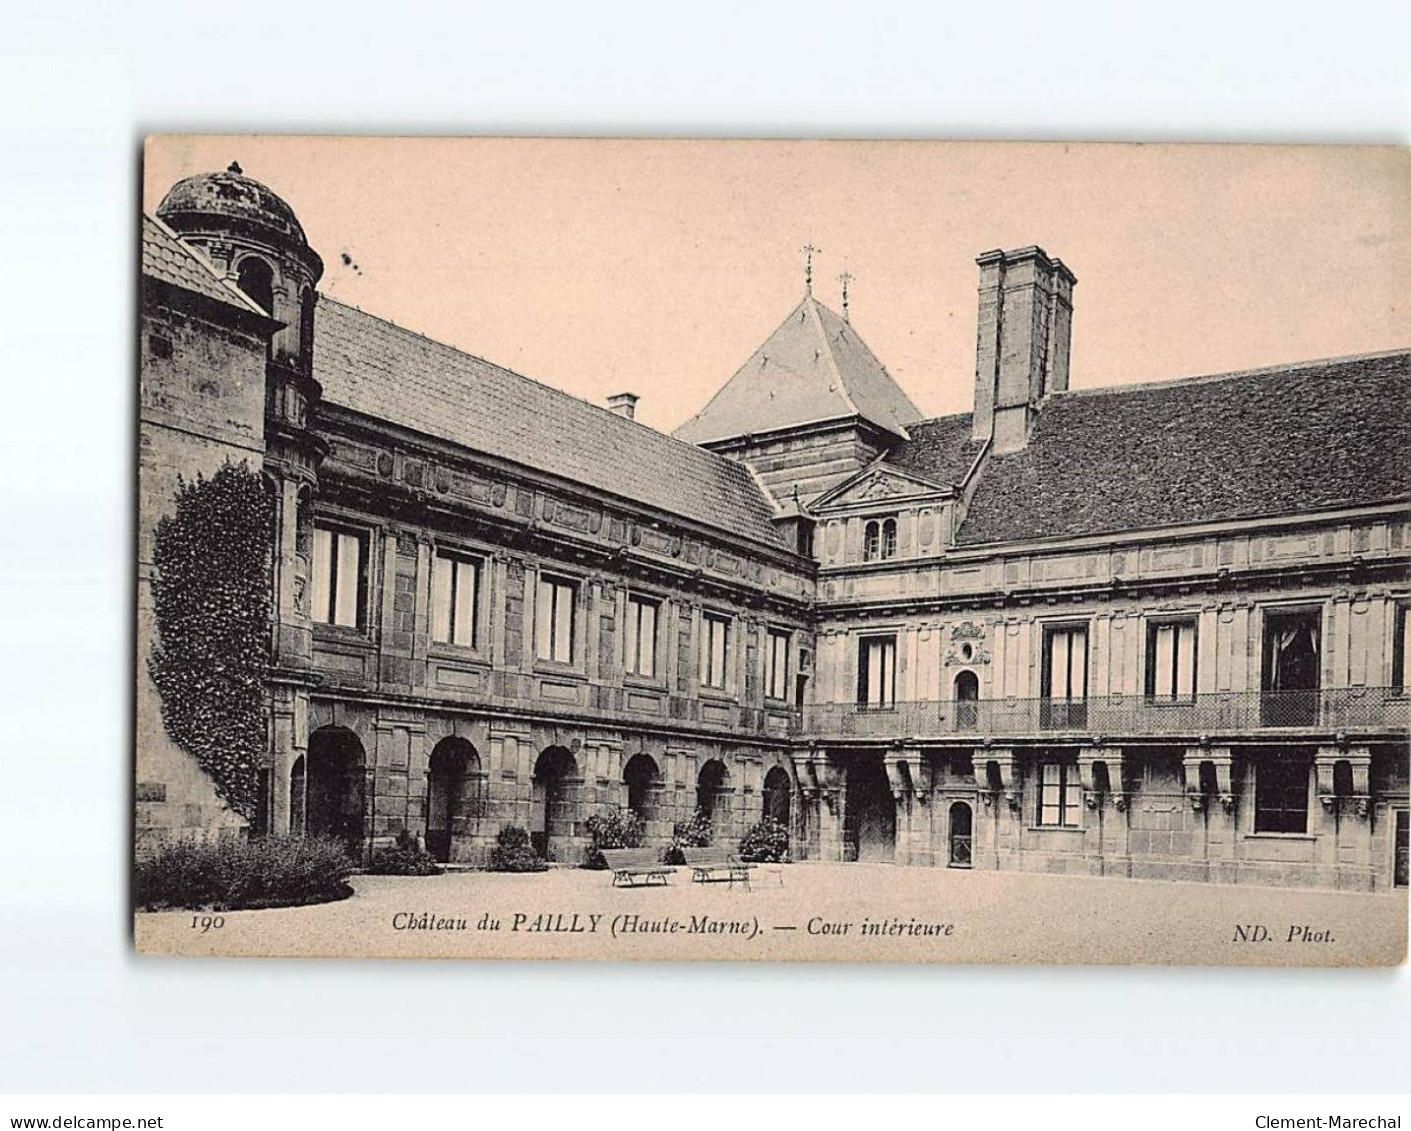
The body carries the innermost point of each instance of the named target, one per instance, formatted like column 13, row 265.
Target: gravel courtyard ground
column 820, row 911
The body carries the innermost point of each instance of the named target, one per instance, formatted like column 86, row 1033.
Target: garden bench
column 713, row 865
column 635, row 867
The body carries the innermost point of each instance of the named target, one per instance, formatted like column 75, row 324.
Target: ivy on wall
column 211, row 594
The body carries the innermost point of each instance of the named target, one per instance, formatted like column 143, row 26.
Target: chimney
column 624, row 404
column 1021, row 349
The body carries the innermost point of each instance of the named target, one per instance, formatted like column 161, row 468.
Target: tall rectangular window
column 1170, row 660
column 1401, row 649
column 777, row 684
column 715, row 649
column 877, row 671
column 1060, row 795
column 553, row 616
column 1281, row 796
column 641, row 636
column 1064, row 677
column 338, row 577
column 455, row 593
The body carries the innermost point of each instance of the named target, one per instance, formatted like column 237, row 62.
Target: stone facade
column 459, row 641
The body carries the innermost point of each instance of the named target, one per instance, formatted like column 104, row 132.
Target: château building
column 1148, row 631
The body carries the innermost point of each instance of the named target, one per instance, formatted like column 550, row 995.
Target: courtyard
column 823, row 912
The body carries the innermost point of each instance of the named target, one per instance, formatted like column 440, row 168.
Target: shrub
column 694, row 833
column 405, row 858
column 211, row 600
column 235, row 874
column 514, row 853
column 612, row 828
column 766, row 842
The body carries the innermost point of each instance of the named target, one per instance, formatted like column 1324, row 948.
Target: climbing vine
column 211, row 594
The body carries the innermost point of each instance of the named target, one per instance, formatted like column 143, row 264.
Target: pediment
column 877, row 485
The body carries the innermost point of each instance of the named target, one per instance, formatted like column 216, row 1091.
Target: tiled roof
column 166, row 258
column 1266, row 443
column 380, row 370
column 940, row 450
column 813, row 367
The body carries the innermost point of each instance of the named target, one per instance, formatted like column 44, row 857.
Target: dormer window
column 879, row 540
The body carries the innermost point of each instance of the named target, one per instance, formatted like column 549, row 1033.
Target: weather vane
column 845, row 278
column 809, row 252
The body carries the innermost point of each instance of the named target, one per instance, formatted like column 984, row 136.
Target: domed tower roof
column 232, row 201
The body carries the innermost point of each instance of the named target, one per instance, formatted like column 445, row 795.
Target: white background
column 80, row 82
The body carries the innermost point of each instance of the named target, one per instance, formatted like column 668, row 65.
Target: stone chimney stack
column 1021, row 350
column 624, row 404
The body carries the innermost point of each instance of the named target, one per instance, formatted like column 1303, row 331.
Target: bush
column 694, row 833
column 405, row 858
column 766, row 842
column 612, row 828
column 236, row 874
column 514, row 853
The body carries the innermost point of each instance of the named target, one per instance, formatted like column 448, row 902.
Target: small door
column 967, row 701
column 961, row 843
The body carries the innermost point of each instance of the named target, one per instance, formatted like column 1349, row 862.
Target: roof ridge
column 1234, row 374
column 554, row 389
column 842, row 386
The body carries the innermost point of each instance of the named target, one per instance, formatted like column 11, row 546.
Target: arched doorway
column 778, row 795
column 967, row 701
column 962, row 842
column 334, row 800
column 869, row 812
column 451, row 794
column 712, row 794
column 641, row 777
column 552, row 809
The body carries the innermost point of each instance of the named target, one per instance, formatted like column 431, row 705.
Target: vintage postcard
column 861, row 551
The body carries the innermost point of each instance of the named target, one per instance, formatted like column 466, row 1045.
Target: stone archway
column 869, row 812
column 334, row 793
column 778, row 795
column 643, row 780
column 961, row 821
column 713, row 794
column 553, row 809
column 452, row 796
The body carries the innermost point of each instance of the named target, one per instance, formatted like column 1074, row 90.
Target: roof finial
column 845, row 278
column 234, row 167
column 809, row 252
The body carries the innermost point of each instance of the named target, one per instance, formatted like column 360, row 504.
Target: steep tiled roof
column 166, row 258
column 940, row 450
column 1271, row 442
column 380, row 370
column 813, row 367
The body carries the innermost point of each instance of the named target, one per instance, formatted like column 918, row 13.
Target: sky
column 657, row 267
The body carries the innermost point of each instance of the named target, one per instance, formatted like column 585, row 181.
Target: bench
column 635, row 867
column 715, row 865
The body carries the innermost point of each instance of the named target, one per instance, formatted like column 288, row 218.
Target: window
column 455, row 592
column 641, row 636
column 1291, row 675
column 1065, row 676
column 1400, row 649
column 889, row 538
column 256, row 278
column 554, row 619
column 1170, row 660
column 1060, row 795
column 715, row 649
column 339, row 578
column 879, row 540
column 1281, row 796
column 877, row 671
column 777, row 684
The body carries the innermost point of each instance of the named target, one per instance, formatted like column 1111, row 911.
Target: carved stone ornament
column 968, row 630
column 1227, row 802
column 880, row 487
column 1364, row 805
column 966, row 653
column 1119, row 802
column 1197, row 802
column 384, row 464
